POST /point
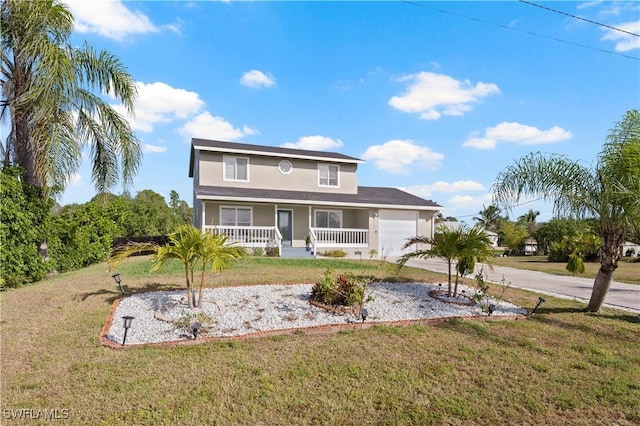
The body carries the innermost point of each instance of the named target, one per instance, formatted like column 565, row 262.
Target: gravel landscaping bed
column 234, row 311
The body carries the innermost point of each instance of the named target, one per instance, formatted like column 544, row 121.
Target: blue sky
column 436, row 97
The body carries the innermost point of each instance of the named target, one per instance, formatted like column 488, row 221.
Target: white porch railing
column 249, row 236
column 338, row 237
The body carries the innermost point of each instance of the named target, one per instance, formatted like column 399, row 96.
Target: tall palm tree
column 193, row 248
column 489, row 217
column 609, row 193
column 529, row 219
column 51, row 96
column 452, row 246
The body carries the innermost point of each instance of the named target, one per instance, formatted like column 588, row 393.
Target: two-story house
column 263, row 196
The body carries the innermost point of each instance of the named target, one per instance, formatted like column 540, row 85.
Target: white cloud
column 517, row 133
column 444, row 187
column 624, row 41
column 111, row 19
column 588, row 4
column 208, row 126
column 148, row 148
column 433, row 95
column 256, row 79
column 160, row 103
column 315, row 143
column 397, row 156
column 465, row 205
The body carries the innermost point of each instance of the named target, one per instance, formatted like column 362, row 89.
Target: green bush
column 345, row 290
column 24, row 215
column 80, row 236
column 335, row 253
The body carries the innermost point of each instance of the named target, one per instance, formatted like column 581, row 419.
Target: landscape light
column 540, row 302
column 127, row 325
column 118, row 280
column 492, row 307
column 364, row 314
column 196, row 328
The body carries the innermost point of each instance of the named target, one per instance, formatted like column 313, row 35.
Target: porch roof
column 367, row 196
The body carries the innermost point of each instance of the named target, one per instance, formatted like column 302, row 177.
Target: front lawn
column 563, row 366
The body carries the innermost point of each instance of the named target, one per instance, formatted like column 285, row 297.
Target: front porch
column 268, row 237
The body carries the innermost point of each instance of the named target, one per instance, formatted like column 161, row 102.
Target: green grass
column 563, row 366
column 627, row 272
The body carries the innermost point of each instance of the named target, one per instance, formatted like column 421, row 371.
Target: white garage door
column 395, row 227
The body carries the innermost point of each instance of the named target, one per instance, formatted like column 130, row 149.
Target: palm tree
column 193, row 248
column 489, row 217
column 452, row 246
column 529, row 219
column 219, row 255
column 475, row 247
column 51, row 96
column 609, row 193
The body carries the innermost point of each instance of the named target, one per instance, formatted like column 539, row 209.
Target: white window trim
column 236, row 219
column 337, row 175
column 224, row 168
column 315, row 217
column 284, row 162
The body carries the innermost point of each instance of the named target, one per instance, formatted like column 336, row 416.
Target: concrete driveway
column 620, row 295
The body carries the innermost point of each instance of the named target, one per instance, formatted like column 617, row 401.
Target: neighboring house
column 493, row 236
column 631, row 248
column 530, row 247
column 263, row 196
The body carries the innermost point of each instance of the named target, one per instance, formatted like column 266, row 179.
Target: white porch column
column 310, row 218
column 204, row 214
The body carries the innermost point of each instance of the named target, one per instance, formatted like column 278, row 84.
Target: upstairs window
column 328, row 175
column 236, row 168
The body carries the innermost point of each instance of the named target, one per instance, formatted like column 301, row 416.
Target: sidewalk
column 621, row 296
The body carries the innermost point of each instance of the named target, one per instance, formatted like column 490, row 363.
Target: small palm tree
column 452, row 246
column 193, row 248
column 218, row 255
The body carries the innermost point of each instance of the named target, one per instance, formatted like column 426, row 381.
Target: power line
column 578, row 17
column 471, row 18
column 509, row 207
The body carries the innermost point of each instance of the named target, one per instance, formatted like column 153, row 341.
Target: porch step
column 295, row 253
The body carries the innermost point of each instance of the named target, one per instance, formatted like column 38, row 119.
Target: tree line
column 40, row 237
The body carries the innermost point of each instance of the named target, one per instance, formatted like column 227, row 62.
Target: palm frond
column 120, row 254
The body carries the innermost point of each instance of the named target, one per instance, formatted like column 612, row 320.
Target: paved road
column 620, row 295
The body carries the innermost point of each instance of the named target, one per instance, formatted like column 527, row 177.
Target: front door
column 285, row 226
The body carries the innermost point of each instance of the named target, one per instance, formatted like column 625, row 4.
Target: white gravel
column 236, row 311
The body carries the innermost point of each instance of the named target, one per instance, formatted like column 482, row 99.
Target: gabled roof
column 366, row 197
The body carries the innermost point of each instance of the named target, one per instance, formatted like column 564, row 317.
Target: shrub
column 335, row 253
column 575, row 264
column 80, row 237
column 257, row 251
column 346, row 290
column 630, row 252
column 24, row 217
column 272, row 252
